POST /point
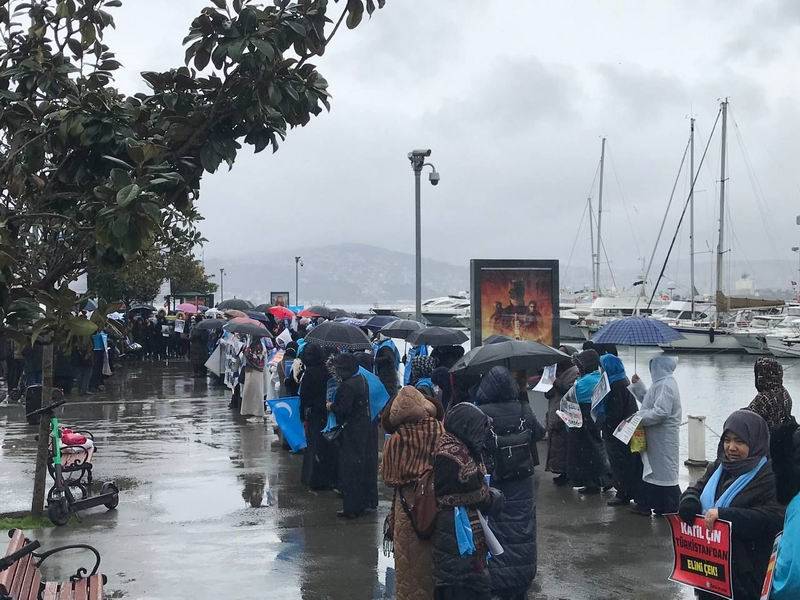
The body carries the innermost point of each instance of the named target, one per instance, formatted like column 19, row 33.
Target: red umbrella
column 281, row 312
column 187, row 308
column 308, row 313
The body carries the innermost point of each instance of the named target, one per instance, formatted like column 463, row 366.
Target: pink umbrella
column 247, row 320
column 187, row 308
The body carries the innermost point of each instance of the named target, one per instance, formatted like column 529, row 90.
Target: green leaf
column 75, row 47
column 219, row 4
column 88, row 34
column 355, row 10
column 80, row 327
column 202, row 57
column 127, row 194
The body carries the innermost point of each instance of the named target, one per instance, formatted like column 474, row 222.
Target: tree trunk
column 40, row 476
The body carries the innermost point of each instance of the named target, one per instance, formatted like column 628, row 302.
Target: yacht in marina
column 444, row 311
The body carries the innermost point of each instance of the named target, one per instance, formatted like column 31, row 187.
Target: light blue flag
column 378, row 396
column 287, row 416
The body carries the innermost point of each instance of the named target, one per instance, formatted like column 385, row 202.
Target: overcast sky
column 513, row 97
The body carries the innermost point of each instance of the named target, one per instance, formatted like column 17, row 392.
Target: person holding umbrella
column 319, row 459
column 557, row 433
column 351, row 406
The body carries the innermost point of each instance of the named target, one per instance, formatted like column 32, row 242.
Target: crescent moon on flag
column 284, row 405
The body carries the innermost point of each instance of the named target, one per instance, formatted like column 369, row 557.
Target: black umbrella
column 142, row 308
column 247, row 329
column 263, row 308
column 326, row 312
column 437, row 336
column 494, row 339
column 401, row 328
column 235, row 304
column 332, row 334
column 258, row 316
column 513, row 354
column 210, row 324
column 376, row 322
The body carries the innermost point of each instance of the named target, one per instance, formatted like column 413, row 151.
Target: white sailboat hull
column 783, row 348
column 753, row 343
column 700, row 340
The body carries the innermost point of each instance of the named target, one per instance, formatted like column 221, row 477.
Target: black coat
column 358, row 456
column 756, row 517
column 515, row 525
column 319, row 459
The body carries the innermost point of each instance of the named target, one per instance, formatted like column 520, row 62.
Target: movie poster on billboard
column 515, row 298
column 279, row 298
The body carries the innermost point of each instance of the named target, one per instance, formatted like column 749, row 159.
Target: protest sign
column 600, row 390
column 624, row 431
column 180, row 325
column 766, row 589
column 548, row 377
column 702, row 555
column 570, row 413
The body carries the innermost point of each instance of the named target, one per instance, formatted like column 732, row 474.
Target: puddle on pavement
column 198, row 500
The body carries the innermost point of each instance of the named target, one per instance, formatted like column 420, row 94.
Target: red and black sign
column 702, row 555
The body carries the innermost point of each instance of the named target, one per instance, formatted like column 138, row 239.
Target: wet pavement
column 212, row 507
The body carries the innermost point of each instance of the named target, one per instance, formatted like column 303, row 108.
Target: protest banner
column 702, row 555
column 766, row 589
column 624, row 431
column 548, row 377
column 570, row 413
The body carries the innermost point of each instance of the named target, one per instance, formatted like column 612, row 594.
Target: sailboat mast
column 691, row 210
column 599, row 216
column 591, row 234
column 721, row 240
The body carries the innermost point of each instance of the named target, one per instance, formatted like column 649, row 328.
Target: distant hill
column 341, row 274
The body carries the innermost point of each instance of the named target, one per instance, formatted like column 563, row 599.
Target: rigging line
column 575, row 241
column 664, row 220
column 729, row 216
column 685, row 206
column 758, row 191
column 624, row 203
column 608, row 264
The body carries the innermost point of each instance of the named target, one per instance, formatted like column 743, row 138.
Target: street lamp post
column 298, row 262
column 417, row 158
column 221, row 284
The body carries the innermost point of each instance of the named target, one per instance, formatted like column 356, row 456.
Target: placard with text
column 702, row 555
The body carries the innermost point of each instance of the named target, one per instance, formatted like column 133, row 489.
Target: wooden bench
column 22, row 580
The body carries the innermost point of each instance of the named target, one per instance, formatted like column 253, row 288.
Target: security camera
column 421, row 152
column 434, row 178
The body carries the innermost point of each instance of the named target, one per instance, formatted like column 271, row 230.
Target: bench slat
column 96, row 587
column 50, row 591
column 6, row 577
column 80, row 589
column 33, row 592
column 22, row 577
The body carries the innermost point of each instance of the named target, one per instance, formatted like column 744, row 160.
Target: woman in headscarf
column 319, row 458
column 513, row 571
column 387, row 361
column 587, row 464
column 773, row 403
column 661, row 413
column 421, row 368
column 253, row 391
column 459, row 481
column 406, row 456
column 566, row 374
column 740, row 488
column 351, row 407
column 619, row 404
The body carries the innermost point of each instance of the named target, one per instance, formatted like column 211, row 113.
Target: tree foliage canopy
column 89, row 176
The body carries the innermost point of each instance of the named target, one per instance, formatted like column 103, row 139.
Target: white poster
column 600, row 390
column 570, row 413
column 548, row 377
column 624, row 431
column 180, row 324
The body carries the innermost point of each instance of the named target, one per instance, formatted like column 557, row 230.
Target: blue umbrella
column 376, row 322
column 636, row 331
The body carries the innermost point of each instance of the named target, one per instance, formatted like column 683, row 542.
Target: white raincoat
column 661, row 418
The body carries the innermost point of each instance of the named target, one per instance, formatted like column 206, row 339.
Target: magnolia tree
column 89, row 176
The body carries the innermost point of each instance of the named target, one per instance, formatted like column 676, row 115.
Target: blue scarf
column 585, row 386
column 707, row 498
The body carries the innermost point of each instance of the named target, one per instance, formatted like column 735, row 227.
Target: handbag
column 332, row 434
column 423, row 510
column 512, row 454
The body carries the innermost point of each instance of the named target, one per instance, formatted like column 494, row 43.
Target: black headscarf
column 345, row 365
column 313, row 355
column 753, row 430
column 469, row 424
column 587, row 361
column 497, row 385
